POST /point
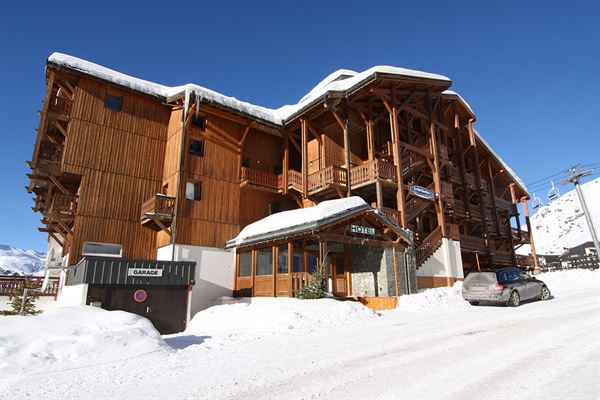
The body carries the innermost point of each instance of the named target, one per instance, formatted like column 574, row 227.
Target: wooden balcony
column 447, row 191
column 60, row 106
column 411, row 164
column 453, row 232
column 260, row 179
column 330, row 176
column 414, row 206
column 157, row 212
column 524, row 261
column 443, row 152
column 372, row 170
column 61, row 207
column 502, row 258
column 506, row 205
column 49, row 158
column 473, row 243
column 392, row 214
column 520, row 236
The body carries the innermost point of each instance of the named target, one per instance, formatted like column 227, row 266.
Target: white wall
column 215, row 269
column 446, row 261
column 43, row 303
column 72, row 295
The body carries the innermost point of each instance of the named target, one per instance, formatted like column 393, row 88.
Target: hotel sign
column 145, row 272
column 421, row 192
column 365, row 230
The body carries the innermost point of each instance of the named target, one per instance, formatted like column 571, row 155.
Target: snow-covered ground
column 434, row 346
column 561, row 224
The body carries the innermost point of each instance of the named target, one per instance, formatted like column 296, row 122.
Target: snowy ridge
column 561, row 223
column 21, row 262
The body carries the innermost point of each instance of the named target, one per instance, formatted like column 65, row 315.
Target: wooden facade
column 154, row 171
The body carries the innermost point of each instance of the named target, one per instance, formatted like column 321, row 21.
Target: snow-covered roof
column 302, row 219
column 452, row 93
column 340, row 81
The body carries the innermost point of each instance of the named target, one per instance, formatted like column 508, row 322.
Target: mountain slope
column 21, row 262
column 561, row 223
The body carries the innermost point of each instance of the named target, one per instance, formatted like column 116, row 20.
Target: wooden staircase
column 428, row 246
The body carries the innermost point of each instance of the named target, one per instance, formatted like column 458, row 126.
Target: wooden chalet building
column 173, row 173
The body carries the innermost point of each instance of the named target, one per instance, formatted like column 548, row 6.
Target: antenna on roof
column 553, row 193
column 536, row 202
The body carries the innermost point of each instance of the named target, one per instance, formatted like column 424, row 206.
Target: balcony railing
column 50, row 152
column 520, row 237
column 372, row 170
column 446, row 190
column 411, row 164
column 524, row 260
column 506, row 206
column 502, row 258
column 299, row 280
column 428, row 246
column 260, row 178
column 64, row 204
column 452, row 231
column 328, row 176
column 392, row 214
column 8, row 284
column 60, row 106
column 158, row 206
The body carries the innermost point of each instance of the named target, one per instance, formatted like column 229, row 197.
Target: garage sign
column 145, row 272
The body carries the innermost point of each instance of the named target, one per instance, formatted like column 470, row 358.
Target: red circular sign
column 140, row 295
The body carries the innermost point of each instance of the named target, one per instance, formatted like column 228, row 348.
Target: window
column 298, row 260
column 102, row 249
column 264, row 261
column 112, row 102
column 312, row 263
column 245, row 265
column 193, row 190
column 197, row 147
column 199, row 121
column 282, row 259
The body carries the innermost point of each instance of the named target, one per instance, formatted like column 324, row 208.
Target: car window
column 510, row 275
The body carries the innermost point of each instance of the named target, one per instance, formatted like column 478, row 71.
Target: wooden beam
column 162, row 226
column 65, row 227
column 60, row 128
column 295, row 143
column 58, row 184
column 56, row 239
column 41, row 131
column 304, row 153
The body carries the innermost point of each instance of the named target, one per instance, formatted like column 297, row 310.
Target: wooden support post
column 286, row 160
column 395, row 130
column 253, row 272
column 437, row 180
column 290, row 258
column 530, row 231
column 481, row 196
column 347, row 158
column 274, row 250
column 370, row 141
column 237, row 271
column 379, row 192
column 493, row 194
column 304, row 133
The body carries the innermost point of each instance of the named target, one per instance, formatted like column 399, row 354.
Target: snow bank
column 443, row 297
column 73, row 334
column 276, row 315
column 572, row 279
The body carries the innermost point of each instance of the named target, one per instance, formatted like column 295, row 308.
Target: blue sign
column 421, row 192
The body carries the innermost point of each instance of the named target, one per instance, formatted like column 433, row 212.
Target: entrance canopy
column 348, row 220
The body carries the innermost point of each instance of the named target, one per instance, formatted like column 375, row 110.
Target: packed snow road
column 434, row 346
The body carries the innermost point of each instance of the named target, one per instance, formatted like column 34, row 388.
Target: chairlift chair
column 553, row 193
column 536, row 202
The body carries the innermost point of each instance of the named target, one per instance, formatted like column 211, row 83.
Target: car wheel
column 514, row 300
column 545, row 295
column 473, row 303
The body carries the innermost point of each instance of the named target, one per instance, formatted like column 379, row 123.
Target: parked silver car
column 509, row 286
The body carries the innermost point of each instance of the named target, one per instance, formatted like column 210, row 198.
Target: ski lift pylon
column 536, row 202
column 553, row 193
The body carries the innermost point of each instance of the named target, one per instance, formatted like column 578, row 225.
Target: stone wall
column 373, row 272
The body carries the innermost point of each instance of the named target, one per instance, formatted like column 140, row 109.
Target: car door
column 518, row 282
column 534, row 288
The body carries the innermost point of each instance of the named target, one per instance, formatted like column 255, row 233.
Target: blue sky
column 530, row 70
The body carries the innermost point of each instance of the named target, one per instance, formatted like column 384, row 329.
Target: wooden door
column 338, row 266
